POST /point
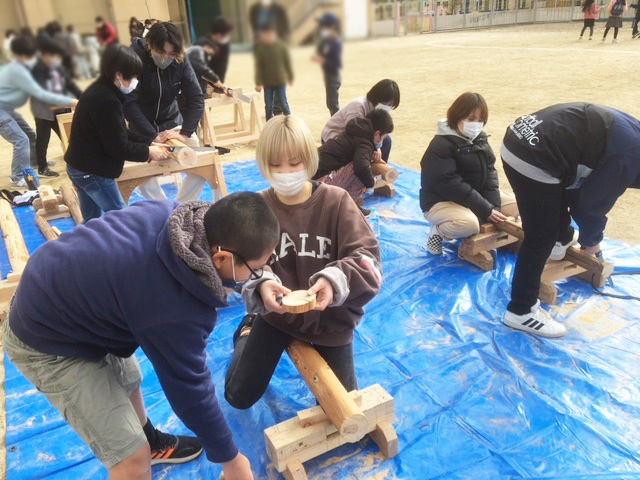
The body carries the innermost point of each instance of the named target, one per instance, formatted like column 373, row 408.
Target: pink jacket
column 593, row 12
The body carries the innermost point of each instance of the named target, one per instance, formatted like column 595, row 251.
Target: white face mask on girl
column 132, row 86
column 30, row 63
column 386, row 108
column 472, row 129
column 288, row 184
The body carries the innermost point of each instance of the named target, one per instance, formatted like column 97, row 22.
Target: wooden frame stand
column 64, row 123
column 238, row 131
column 51, row 206
column 17, row 252
column 208, row 166
column 475, row 249
column 341, row 418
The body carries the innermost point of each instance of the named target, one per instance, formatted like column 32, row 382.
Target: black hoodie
column 153, row 107
column 354, row 145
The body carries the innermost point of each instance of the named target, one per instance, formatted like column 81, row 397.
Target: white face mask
column 386, row 108
column 288, row 184
column 267, row 3
column 225, row 40
column 56, row 63
column 472, row 129
column 30, row 63
column 162, row 63
column 132, row 86
column 325, row 33
column 378, row 145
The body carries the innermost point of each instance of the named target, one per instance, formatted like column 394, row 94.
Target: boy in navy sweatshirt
column 157, row 275
column 329, row 55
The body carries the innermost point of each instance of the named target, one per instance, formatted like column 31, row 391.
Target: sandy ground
column 517, row 69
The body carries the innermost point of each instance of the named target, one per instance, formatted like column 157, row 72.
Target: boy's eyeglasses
column 255, row 274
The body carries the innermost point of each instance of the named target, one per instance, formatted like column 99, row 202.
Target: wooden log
column 299, row 302
column 70, row 199
column 387, row 172
column 314, row 415
column 330, row 393
column 16, row 248
column 46, row 229
column 185, row 156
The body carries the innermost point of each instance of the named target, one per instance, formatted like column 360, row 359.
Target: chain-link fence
column 418, row 16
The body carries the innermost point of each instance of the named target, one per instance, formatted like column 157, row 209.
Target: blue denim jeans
column 386, row 148
column 281, row 92
column 96, row 194
column 15, row 130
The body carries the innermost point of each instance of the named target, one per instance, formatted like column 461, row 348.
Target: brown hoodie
column 325, row 236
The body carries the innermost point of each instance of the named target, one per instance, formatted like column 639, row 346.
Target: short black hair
column 70, row 28
column 244, row 223
column 52, row 48
column 99, row 19
column 221, row 26
column 163, row 32
column 23, row 46
column 385, row 91
column 118, row 58
column 381, row 121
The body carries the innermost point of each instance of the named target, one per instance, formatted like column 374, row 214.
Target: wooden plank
column 295, row 471
column 331, row 394
column 386, row 438
column 548, row 293
column 14, row 243
column 482, row 260
column 557, row 270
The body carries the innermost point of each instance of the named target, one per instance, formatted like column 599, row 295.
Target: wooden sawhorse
column 208, row 167
column 238, row 131
column 475, row 249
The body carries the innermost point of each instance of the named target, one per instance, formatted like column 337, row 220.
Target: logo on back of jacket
column 525, row 129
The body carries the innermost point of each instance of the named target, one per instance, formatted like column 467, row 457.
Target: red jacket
column 106, row 34
column 593, row 12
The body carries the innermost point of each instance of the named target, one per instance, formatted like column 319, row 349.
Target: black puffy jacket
column 455, row 169
column 153, row 107
column 354, row 145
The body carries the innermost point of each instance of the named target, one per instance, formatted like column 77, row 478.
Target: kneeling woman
column 459, row 180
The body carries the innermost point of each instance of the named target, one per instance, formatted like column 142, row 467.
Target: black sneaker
column 174, row 449
column 47, row 172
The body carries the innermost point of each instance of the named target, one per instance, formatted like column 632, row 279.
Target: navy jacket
column 331, row 50
column 153, row 106
column 115, row 284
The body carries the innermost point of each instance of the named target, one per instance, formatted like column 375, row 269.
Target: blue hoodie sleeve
column 177, row 352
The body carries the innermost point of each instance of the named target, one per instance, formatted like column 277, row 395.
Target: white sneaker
column 559, row 250
column 537, row 322
column 580, row 38
column 604, row 40
column 616, row 41
column 434, row 245
column 22, row 183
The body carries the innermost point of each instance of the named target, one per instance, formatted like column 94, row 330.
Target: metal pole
column 406, row 17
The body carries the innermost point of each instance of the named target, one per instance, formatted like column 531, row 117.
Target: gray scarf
column 189, row 243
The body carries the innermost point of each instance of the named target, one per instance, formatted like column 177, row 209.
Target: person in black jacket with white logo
column 459, row 181
column 568, row 160
column 152, row 108
column 99, row 142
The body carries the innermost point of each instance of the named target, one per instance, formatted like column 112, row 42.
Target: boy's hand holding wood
column 323, row 289
column 271, row 293
column 377, row 156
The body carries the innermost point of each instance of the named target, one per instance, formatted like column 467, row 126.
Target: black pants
column 332, row 83
column 636, row 21
column 256, row 356
column 590, row 30
column 43, row 135
column 615, row 32
column 545, row 220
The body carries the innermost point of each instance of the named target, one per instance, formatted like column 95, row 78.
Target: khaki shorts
column 92, row 396
column 455, row 221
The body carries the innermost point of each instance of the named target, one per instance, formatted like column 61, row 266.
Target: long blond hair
column 286, row 136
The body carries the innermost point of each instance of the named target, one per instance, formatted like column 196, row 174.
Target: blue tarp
column 473, row 398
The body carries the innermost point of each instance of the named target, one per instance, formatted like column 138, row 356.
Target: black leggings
column 615, row 32
column 43, row 135
column 590, row 31
column 256, row 357
column 545, row 220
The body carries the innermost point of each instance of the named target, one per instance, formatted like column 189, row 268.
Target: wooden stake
column 388, row 173
column 340, row 407
column 16, row 248
column 299, row 302
column 70, row 198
